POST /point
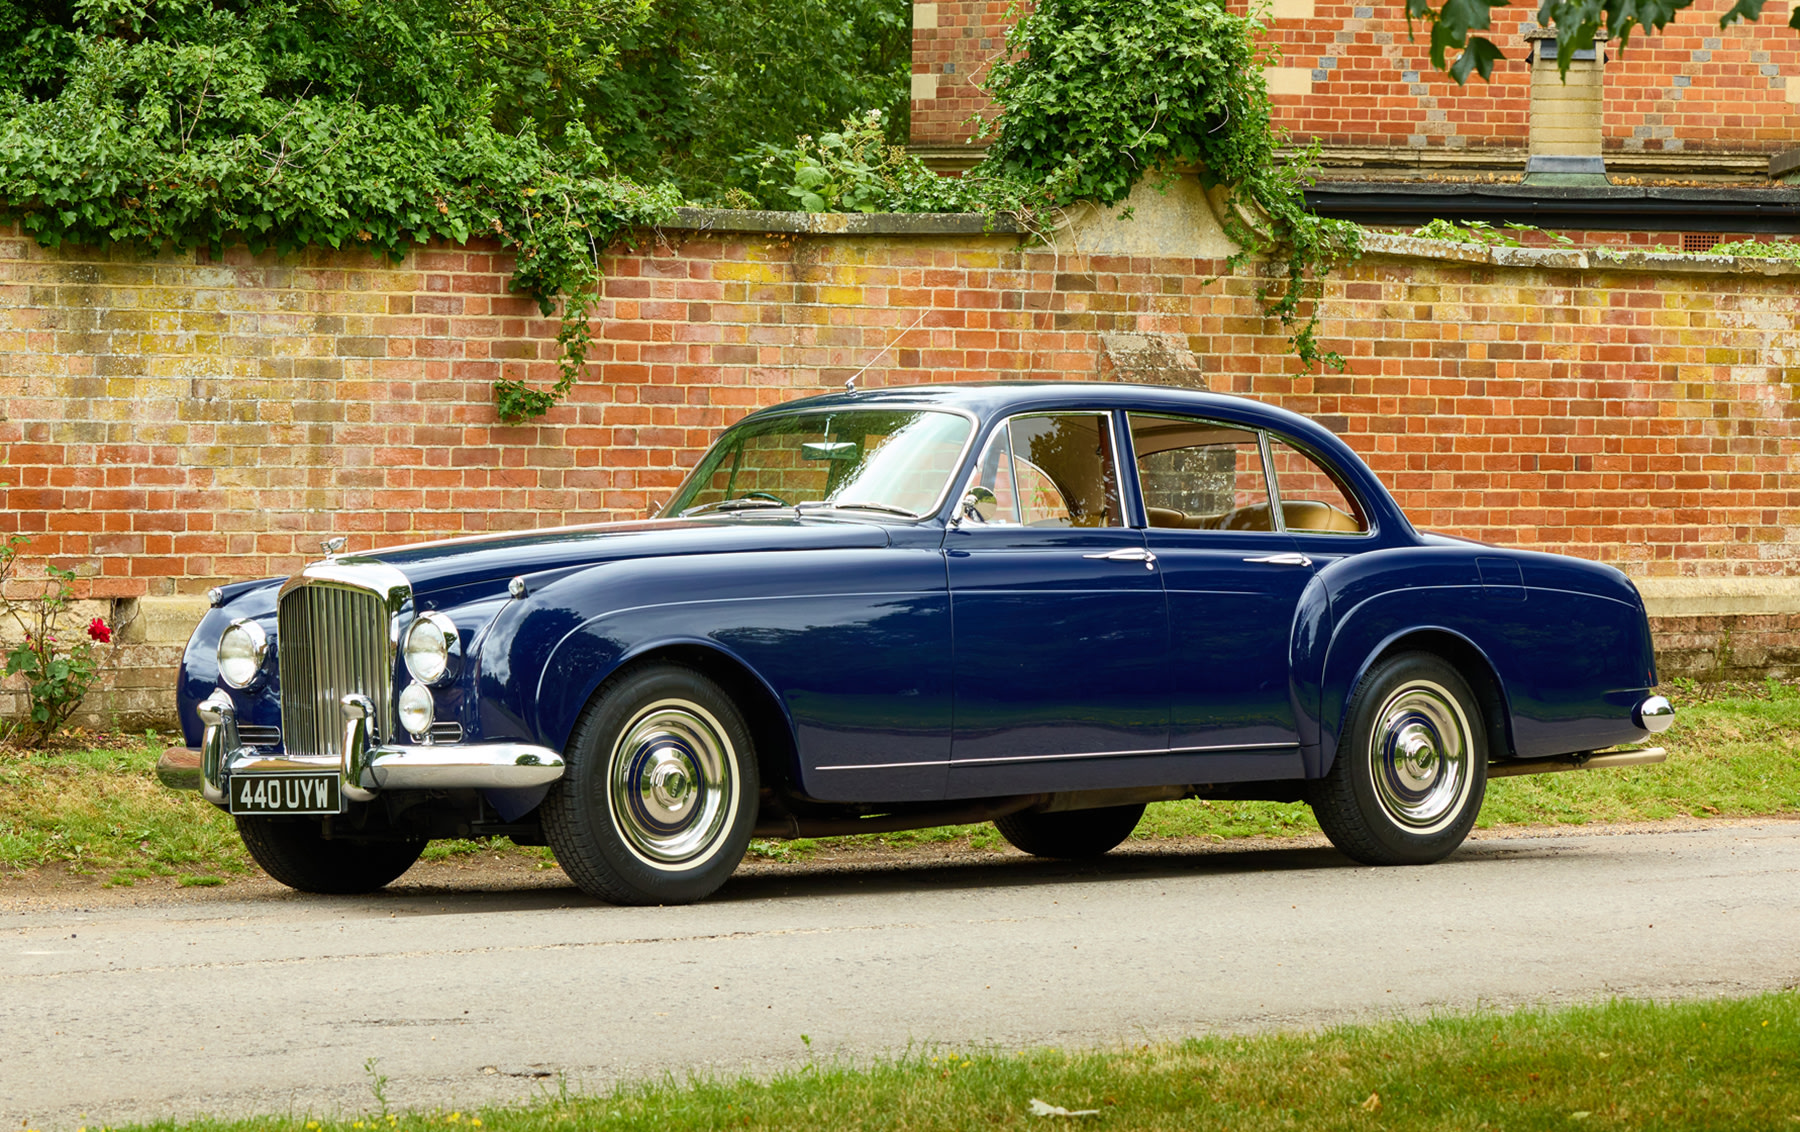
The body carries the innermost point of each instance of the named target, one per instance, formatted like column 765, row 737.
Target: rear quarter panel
column 1566, row 640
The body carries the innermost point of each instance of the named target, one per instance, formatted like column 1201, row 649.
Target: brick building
column 1683, row 138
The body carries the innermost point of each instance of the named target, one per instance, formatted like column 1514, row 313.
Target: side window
column 1050, row 470
column 1312, row 499
column 1201, row 475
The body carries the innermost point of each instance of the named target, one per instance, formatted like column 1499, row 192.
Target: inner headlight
column 417, row 710
column 430, row 643
column 242, row 650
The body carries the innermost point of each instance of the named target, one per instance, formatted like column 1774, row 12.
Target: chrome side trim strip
column 1128, row 754
column 1083, row 755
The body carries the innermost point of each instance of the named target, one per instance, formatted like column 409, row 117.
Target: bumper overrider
column 366, row 766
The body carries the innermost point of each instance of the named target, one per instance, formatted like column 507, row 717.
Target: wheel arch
column 1469, row 660
column 771, row 728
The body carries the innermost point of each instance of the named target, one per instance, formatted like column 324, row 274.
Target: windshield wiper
column 742, row 503
column 814, row 505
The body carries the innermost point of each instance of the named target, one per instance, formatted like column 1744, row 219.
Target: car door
column 1234, row 579
column 1059, row 626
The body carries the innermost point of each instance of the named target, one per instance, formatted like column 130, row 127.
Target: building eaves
column 1615, row 207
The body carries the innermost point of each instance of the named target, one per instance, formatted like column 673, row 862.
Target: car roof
column 985, row 399
column 989, row 400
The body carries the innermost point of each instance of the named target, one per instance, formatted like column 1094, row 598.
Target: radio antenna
column 851, row 384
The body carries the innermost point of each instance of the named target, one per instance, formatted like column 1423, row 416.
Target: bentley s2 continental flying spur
column 1041, row 605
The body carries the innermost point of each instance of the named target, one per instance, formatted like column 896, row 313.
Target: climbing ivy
column 282, row 126
column 385, row 124
column 1096, row 96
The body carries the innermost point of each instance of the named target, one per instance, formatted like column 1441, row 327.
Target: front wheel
column 661, row 791
column 1070, row 834
column 295, row 852
column 1411, row 767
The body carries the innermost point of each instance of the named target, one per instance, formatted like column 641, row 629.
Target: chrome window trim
column 971, row 468
column 1271, row 482
column 1276, row 518
column 1370, row 523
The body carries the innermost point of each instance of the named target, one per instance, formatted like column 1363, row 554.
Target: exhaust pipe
column 1588, row 760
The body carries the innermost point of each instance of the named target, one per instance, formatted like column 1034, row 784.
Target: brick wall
column 1350, row 77
column 172, row 423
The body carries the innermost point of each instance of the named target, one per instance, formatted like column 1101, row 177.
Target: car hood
column 480, row 558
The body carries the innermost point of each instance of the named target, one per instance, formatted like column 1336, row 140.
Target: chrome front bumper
column 365, row 767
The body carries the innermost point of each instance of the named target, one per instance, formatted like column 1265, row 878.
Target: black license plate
column 285, row 794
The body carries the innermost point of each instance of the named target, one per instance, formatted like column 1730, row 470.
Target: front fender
column 852, row 645
column 199, row 672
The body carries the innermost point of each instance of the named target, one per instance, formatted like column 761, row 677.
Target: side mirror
column 971, row 504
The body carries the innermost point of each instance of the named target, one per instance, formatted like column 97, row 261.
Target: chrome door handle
column 1129, row 554
column 1282, row 560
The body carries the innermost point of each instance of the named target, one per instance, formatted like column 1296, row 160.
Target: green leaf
column 1480, row 56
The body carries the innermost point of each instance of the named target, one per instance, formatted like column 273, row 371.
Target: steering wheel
column 765, row 495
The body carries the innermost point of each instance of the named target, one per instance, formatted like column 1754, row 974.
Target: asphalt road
column 273, row 1004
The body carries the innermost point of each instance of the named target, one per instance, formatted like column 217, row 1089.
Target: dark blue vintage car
column 1042, row 605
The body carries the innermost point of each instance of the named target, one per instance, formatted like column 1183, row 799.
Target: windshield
column 892, row 461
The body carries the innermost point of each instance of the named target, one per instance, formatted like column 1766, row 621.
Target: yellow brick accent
column 1288, row 80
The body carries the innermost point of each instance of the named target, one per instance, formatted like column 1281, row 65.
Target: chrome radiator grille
column 332, row 640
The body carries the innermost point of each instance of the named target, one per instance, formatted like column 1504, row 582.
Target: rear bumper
column 365, row 768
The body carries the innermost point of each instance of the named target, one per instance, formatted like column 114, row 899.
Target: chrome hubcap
column 1421, row 758
column 673, row 784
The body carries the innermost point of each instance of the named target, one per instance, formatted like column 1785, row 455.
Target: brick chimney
column 1565, row 114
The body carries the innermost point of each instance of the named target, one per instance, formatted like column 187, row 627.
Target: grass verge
column 101, row 811
column 1719, row 1065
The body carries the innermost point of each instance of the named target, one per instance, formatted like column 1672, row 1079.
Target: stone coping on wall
column 1576, row 259
column 1373, row 243
column 768, row 221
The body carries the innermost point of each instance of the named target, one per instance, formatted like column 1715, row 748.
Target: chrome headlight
column 417, row 711
column 242, row 650
column 431, row 645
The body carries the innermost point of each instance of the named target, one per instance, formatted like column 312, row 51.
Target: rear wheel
column 1070, row 834
column 1411, row 767
column 295, row 852
column 661, row 791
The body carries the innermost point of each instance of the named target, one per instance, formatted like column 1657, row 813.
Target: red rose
column 97, row 629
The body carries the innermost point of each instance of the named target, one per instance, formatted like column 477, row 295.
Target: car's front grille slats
column 333, row 640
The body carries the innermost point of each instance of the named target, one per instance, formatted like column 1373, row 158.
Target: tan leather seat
column 1311, row 515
